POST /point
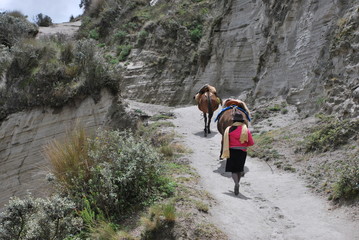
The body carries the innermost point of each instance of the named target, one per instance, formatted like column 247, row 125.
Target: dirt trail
column 271, row 205
column 67, row 28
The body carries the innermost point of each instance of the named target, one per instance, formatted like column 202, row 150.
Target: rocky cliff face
column 23, row 136
column 302, row 51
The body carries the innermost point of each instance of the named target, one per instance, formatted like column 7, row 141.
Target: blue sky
column 58, row 10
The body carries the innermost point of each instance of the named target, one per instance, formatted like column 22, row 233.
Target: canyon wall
column 24, row 134
column 301, row 51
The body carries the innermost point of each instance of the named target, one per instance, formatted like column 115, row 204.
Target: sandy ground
column 272, row 204
column 68, row 28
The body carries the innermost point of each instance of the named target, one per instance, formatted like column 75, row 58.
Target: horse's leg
column 205, row 124
column 220, row 153
column 209, row 122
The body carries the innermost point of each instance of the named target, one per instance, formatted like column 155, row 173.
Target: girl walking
column 236, row 139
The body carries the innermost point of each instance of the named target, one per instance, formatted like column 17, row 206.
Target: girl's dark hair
column 238, row 117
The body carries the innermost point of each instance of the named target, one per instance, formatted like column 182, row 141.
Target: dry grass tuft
column 69, row 158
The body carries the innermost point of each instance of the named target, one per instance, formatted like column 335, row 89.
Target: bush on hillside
column 331, row 133
column 17, row 14
column 115, row 172
column 13, row 29
column 30, row 218
column 52, row 71
column 43, row 20
column 347, row 186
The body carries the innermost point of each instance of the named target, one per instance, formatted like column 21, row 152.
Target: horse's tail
column 210, row 110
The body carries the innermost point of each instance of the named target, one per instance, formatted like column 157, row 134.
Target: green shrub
column 347, row 186
column 123, row 51
column 84, row 52
column 141, row 38
column 29, row 218
column 120, row 36
column 94, row 34
column 43, row 20
column 13, row 29
column 275, row 108
column 119, row 173
column 331, row 133
column 196, row 34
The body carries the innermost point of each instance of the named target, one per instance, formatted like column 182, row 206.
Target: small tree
column 85, row 4
column 43, row 20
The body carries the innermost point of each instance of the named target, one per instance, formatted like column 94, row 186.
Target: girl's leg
column 240, row 174
column 236, row 177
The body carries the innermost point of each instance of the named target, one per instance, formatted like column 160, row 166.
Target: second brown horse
column 208, row 102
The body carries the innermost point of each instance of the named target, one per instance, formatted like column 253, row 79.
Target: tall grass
column 69, row 158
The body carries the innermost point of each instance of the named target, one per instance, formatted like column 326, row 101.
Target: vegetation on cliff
column 52, row 71
column 114, row 185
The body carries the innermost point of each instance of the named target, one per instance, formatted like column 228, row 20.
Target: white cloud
column 57, row 10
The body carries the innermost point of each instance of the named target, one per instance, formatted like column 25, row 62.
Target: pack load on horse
column 231, row 107
column 208, row 102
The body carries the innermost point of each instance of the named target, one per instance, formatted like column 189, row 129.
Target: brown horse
column 225, row 117
column 208, row 102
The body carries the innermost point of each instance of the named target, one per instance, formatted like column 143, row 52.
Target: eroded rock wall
column 23, row 136
column 292, row 49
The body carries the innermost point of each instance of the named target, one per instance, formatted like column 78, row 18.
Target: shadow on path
column 222, row 167
column 240, row 195
column 209, row 135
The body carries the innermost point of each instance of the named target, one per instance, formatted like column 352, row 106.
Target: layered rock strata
column 23, row 136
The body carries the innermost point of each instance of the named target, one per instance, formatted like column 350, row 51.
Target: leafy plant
column 29, row 218
column 275, row 108
column 347, row 186
column 330, row 134
column 120, row 36
column 94, row 34
column 114, row 171
column 196, row 34
column 123, row 51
